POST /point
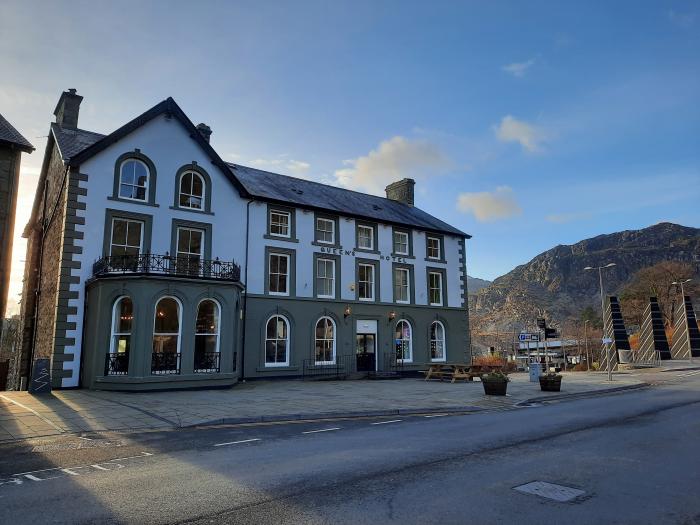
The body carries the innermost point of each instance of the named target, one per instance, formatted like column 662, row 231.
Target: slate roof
column 308, row 194
column 9, row 135
column 72, row 141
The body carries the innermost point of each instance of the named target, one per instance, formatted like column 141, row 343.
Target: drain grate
column 550, row 491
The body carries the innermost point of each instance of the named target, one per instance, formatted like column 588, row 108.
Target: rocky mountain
column 554, row 284
column 474, row 284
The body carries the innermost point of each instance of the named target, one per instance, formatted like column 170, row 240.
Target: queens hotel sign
column 351, row 253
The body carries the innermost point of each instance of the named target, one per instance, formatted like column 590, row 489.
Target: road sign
column 529, row 337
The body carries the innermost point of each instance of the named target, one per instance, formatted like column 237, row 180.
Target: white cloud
column 393, row 160
column 518, row 69
column 684, row 20
column 297, row 167
column 513, row 130
column 488, row 206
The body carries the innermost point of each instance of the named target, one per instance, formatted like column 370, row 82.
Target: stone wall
column 9, row 173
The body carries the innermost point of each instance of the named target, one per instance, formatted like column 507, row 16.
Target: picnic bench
column 455, row 371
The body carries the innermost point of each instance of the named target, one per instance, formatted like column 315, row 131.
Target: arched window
column 277, row 341
column 206, row 337
column 437, row 341
column 133, row 180
column 325, row 341
column 165, row 358
column 192, row 189
column 404, row 341
column 122, row 317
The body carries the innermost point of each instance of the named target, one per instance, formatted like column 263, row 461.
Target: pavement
column 628, row 457
column 23, row 415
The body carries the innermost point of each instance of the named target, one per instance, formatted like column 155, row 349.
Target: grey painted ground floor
column 154, row 332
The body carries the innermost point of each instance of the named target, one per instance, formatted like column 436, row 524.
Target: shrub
column 579, row 368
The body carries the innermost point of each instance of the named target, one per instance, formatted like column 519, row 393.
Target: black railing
column 392, row 363
column 339, row 369
column 206, row 362
column 167, row 265
column 163, row 363
column 117, row 364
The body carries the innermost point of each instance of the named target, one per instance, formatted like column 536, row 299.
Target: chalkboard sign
column 41, row 377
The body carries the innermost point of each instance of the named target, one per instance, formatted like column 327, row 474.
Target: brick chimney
column 401, row 191
column 204, row 130
column 68, row 108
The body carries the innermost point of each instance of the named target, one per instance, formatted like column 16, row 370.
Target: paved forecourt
column 23, row 415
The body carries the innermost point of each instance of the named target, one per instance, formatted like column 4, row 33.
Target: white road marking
column 237, row 442
column 321, row 430
column 437, row 415
column 45, row 420
column 688, row 374
column 385, row 422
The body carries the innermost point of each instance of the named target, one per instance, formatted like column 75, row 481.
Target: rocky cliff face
column 474, row 284
column 554, row 284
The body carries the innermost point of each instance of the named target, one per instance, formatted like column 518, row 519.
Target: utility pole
column 585, row 335
column 602, row 309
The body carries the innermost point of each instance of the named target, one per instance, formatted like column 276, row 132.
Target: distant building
column 152, row 264
column 12, row 145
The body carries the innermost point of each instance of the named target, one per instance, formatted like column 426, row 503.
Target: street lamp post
column 602, row 308
column 585, row 336
column 681, row 283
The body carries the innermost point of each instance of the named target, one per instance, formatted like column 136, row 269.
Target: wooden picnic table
column 455, row 371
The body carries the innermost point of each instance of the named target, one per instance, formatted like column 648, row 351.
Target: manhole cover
column 550, row 491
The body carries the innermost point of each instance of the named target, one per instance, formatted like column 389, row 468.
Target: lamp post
column 602, row 309
column 585, row 336
column 681, row 283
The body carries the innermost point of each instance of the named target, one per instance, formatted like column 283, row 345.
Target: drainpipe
column 245, row 296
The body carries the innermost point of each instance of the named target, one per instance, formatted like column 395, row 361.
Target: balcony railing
column 206, row 362
column 166, row 265
column 163, row 363
column 117, row 364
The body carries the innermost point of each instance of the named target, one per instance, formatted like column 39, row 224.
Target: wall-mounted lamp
column 348, row 311
column 392, row 315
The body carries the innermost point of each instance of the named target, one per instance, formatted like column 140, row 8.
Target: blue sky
column 526, row 124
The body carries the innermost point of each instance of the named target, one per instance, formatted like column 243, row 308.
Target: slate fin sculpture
column 652, row 337
column 614, row 328
column 686, row 335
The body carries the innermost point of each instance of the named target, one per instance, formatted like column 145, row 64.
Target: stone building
column 154, row 264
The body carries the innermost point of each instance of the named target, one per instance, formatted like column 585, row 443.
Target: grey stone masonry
column 68, row 109
column 401, row 191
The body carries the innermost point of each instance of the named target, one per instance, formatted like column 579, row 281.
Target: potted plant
column 550, row 382
column 495, row 383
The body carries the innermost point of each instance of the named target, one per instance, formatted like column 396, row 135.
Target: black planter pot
column 550, row 384
column 494, row 388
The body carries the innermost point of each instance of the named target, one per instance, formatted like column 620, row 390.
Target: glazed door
column 366, row 351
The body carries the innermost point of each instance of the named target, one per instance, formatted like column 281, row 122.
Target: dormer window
column 133, row 180
column 192, row 188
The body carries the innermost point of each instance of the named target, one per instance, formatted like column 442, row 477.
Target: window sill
column 277, row 368
column 366, row 250
column 132, row 201
column 326, row 244
column 441, row 261
column 402, row 256
column 276, row 238
column 192, row 210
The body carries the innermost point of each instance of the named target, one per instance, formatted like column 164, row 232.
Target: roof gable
column 9, row 135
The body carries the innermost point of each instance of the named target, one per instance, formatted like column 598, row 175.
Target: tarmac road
column 635, row 456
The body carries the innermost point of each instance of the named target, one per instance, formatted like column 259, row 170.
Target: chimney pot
column 401, row 191
column 204, row 130
column 68, row 109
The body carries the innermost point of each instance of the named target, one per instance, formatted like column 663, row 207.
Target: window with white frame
column 365, row 282
column 325, row 230
column 404, row 341
column 278, row 274
column 401, row 245
column 166, row 337
column 206, row 337
column 434, row 248
column 189, row 250
column 325, row 341
column 127, row 237
column 365, row 237
column 122, row 318
column 325, row 278
column 133, row 180
column 402, row 285
column 192, row 188
column 277, row 341
column 435, row 288
column 437, row 341
column 280, row 223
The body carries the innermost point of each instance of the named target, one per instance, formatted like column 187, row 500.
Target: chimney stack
column 204, row 130
column 67, row 109
column 401, row 191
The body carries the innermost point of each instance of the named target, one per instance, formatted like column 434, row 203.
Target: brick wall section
column 9, row 177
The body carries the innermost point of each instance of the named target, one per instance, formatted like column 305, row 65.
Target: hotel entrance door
column 366, row 349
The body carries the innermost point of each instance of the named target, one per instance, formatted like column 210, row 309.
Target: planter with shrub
column 550, row 382
column 495, row 383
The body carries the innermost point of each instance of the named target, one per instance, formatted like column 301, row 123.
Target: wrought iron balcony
column 166, row 265
column 206, row 362
column 117, row 364
column 163, row 363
